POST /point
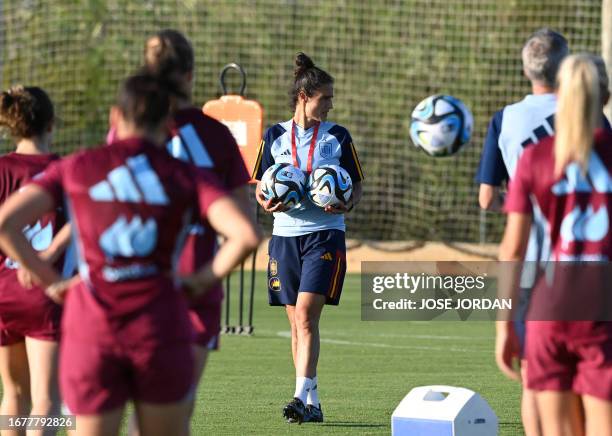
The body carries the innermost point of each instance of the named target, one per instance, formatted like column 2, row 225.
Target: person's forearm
column 508, row 279
column 230, row 254
column 31, row 203
column 17, row 247
column 490, row 198
column 58, row 245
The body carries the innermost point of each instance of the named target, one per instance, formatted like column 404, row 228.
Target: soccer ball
column 441, row 125
column 285, row 183
column 329, row 185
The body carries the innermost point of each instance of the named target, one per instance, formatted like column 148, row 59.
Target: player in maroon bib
column 126, row 332
column 206, row 143
column 568, row 178
column 29, row 320
column 18, row 318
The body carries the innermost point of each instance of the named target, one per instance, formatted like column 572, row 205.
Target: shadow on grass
column 352, row 424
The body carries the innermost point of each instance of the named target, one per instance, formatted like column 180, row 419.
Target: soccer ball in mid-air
column 441, row 125
column 330, row 185
column 284, row 182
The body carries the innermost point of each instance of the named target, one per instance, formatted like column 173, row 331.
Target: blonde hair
column 578, row 111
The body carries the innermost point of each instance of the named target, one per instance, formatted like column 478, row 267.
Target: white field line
column 287, row 334
column 411, row 336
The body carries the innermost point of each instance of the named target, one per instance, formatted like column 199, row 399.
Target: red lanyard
column 313, row 142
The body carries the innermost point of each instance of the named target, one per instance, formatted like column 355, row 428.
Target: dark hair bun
column 308, row 78
column 169, row 52
column 302, row 64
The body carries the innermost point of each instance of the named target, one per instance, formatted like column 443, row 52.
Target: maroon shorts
column 570, row 356
column 95, row 379
column 11, row 335
column 205, row 316
column 146, row 356
column 26, row 312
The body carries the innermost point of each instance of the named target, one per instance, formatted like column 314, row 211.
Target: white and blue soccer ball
column 330, row 185
column 285, row 183
column 441, row 125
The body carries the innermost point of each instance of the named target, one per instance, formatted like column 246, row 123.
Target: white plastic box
column 443, row 411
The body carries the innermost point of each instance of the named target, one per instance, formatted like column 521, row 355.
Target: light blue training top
column 333, row 146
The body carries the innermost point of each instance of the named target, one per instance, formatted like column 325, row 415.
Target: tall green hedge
column 385, row 56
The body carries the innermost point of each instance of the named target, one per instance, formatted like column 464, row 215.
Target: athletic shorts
column 96, row 379
column 315, row 262
column 145, row 356
column 205, row 317
column 570, row 356
column 27, row 313
column 45, row 331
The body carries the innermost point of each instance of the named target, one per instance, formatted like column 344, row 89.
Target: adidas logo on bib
column 132, row 183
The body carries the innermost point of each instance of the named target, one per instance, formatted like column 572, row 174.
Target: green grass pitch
column 365, row 370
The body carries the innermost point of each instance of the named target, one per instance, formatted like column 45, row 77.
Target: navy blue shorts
column 315, row 263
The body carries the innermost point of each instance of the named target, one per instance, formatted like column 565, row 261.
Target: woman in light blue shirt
column 307, row 250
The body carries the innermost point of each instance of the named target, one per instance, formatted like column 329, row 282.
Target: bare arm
column 58, row 245
column 490, row 198
column 18, row 211
column 511, row 253
column 57, row 291
column 516, row 237
column 241, row 238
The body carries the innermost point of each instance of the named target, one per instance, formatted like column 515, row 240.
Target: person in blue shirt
column 307, row 251
column 511, row 129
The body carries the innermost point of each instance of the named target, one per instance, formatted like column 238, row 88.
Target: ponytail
column 169, row 56
column 578, row 112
